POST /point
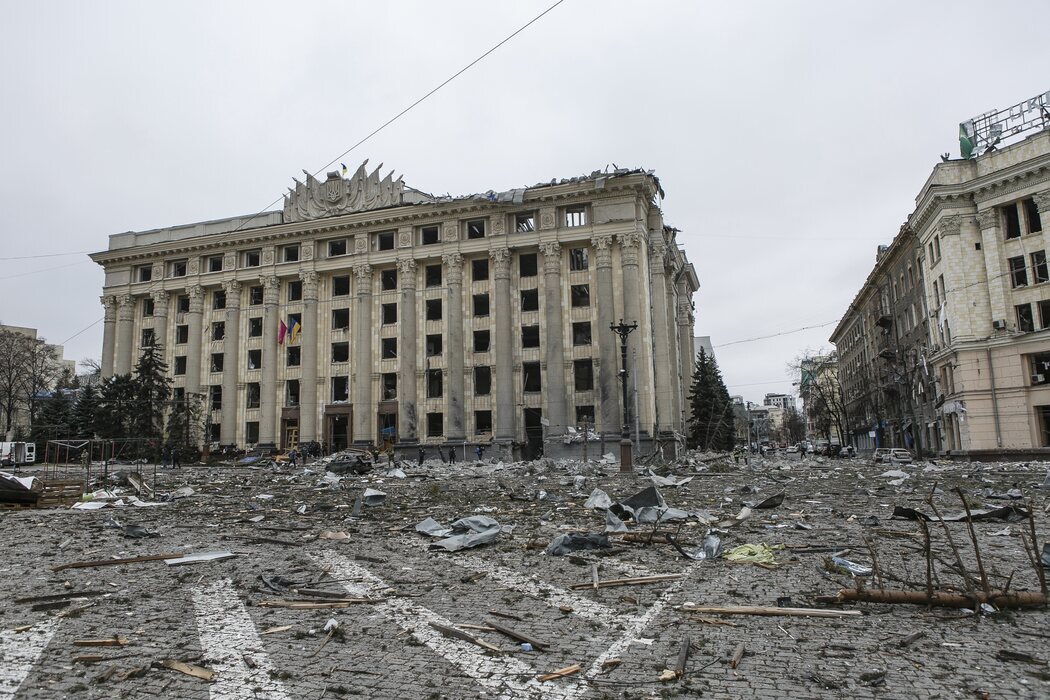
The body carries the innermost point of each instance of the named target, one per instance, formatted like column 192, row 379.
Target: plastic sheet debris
column 598, row 500
column 613, row 522
column 470, row 532
column 576, row 542
column 433, row 528
column 761, row 554
column 894, row 474
column 1011, row 495
column 372, row 497
column 301, row 510
column 669, row 480
column 525, row 646
column 395, row 473
column 579, row 482
column 331, row 624
column 851, row 567
column 771, row 502
column 139, row 532
column 1010, row 514
column 710, row 549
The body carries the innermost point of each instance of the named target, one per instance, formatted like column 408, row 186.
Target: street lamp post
column 626, row 448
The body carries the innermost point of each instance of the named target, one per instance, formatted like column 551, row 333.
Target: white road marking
column 507, row 677
column 227, row 634
column 541, row 590
column 19, row 651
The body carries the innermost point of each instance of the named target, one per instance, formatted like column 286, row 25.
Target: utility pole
column 626, row 457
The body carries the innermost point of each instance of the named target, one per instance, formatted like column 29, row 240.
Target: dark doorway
column 533, row 434
column 338, row 427
column 387, row 422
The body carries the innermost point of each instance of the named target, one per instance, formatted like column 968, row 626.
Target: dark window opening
column 479, row 269
column 1040, row 368
column 340, row 319
column 148, row 307
column 178, row 269
column 389, row 313
column 482, row 381
column 218, row 330
column 530, row 374
column 182, row 334
column 255, row 296
column 145, row 273
column 385, row 240
column 481, row 341
column 295, row 290
column 255, row 327
column 389, row 385
column 580, row 295
column 388, row 280
column 218, row 359
column 481, row 304
column 433, row 276
column 433, row 309
column 180, row 364
column 337, row 248
column 340, row 388
column 527, row 265
column 585, row 415
column 583, row 371
column 576, row 216
column 215, row 263
column 388, row 348
column 253, row 394
column 530, row 336
column 1039, row 268
column 530, row 300
column 293, row 356
column 291, row 392
column 482, row 422
column 1018, row 273
column 290, row 253
column 476, row 229
column 254, row 359
column 182, row 304
column 215, row 394
column 148, row 338
column 581, row 333
column 1013, row 221
column 435, row 424
column 341, row 286
column 1031, row 215
column 251, row 432
column 578, row 259
column 218, row 299
column 433, row 344
column 429, row 235
column 1025, row 321
column 252, row 258
column 435, row 386
column 1044, row 313
column 340, row 352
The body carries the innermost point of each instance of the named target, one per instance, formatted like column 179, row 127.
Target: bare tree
column 12, row 360
column 42, row 370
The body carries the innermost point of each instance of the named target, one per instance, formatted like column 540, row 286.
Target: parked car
column 899, row 455
column 881, row 455
column 848, row 451
column 793, row 449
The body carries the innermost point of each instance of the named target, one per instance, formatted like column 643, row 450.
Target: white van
column 14, row 454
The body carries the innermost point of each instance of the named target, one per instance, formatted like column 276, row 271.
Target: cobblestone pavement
column 213, row 615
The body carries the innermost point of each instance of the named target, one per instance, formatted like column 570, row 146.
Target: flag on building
column 281, row 330
column 297, row 328
column 344, row 167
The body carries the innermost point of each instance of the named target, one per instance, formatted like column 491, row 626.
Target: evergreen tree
column 117, row 405
column 711, row 427
column 85, row 413
column 185, row 428
column 152, row 391
column 52, row 421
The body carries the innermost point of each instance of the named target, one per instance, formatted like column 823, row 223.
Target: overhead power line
column 775, row 335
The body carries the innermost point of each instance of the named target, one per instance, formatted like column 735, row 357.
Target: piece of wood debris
column 114, row 641
column 23, row 628
column 635, row 581
column 738, row 654
column 911, row 639
column 772, row 611
column 505, row 615
column 460, row 634
column 89, row 658
column 560, row 673
column 59, row 596
column 712, row 621
column 594, row 576
column 115, row 562
column 683, row 657
column 565, row 609
column 610, row 664
column 189, row 669
column 310, row 605
column 275, row 630
column 517, row 635
column 476, row 628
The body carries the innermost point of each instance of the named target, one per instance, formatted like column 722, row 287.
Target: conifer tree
column 152, row 391
column 711, row 427
column 85, row 413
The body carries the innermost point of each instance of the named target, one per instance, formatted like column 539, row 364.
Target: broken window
column 340, row 319
column 435, row 424
column 482, row 422
column 530, row 376
column 385, row 240
column 530, row 300
column 182, row 304
column 388, row 280
column 182, row 334
column 481, row 304
column 337, row 248
column 293, row 321
column 583, row 370
column 1025, row 321
column 580, row 295
column 340, row 352
column 254, row 359
column 291, row 392
column 433, row 344
column 1012, row 221
column 255, row 296
column 481, row 341
column 428, row 235
column 290, row 253
column 479, row 269
column 340, row 389
column 218, row 330
column 1044, row 313
column 215, row 395
column 214, row 263
column 435, row 387
column 251, row 432
column 180, row 364
column 530, row 336
column 341, row 286
column 251, row 258
column 433, row 309
column 581, row 333
column 1039, row 269
column 148, row 307
column 1031, row 215
column 525, row 223
column 576, row 215
column 218, row 299
column 178, row 268
column 1018, row 273
column 585, row 415
column 527, row 265
column 218, row 359
column 578, row 259
column 145, row 273
column 389, row 383
column 295, row 290
column 178, row 394
column 255, row 327
column 254, row 394
column 433, row 276
column 293, row 356
column 147, row 338
column 388, row 348
column 475, row 229
column 482, row 381
column 388, row 313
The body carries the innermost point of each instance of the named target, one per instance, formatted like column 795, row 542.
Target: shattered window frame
column 482, row 422
column 585, row 415
column 293, row 356
column 291, row 392
column 341, row 318
column 581, row 334
column 255, row 327
column 218, row 299
column 476, row 229
column 432, row 276
column 215, row 396
column 148, row 307
column 1025, row 319
column 388, row 348
column 1040, row 271
column 530, row 300
column 340, row 387
column 433, row 345
column 253, row 398
column 531, row 378
column 341, row 286
column 218, row 361
column 525, row 222
column 254, row 359
column 340, row 352
column 1018, row 271
column 388, row 385
column 388, row 280
column 148, row 338
column 580, row 296
column 218, row 330
column 255, row 295
column 575, row 216
column 578, row 260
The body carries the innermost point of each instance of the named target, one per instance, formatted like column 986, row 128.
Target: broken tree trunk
column 1023, row 599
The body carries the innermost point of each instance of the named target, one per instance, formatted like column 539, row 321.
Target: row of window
column 427, row 235
column 1019, row 269
column 1026, row 318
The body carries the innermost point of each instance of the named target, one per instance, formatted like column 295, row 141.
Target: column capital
column 500, row 263
column 602, row 245
column 950, row 225
column 160, row 296
column 126, row 310
column 109, row 301
column 685, row 312
column 630, row 245
column 196, row 293
column 989, row 218
column 363, row 272
column 406, row 273
column 454, row 263
column 309, row 279
column 233, row 293
column 657, row 255
column 1042, row 201
column 271, row 289
column 551, row 257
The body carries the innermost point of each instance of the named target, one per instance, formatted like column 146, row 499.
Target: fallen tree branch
column 1023, row 599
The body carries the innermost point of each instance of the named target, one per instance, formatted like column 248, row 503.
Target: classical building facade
column 368, row 312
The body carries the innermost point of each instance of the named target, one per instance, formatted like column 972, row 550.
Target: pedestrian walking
column 422, row 455
column 802, row 451
column 174, row 458
column 165, row 458
column 479, row 451
column 293, row 458
column 451, row 455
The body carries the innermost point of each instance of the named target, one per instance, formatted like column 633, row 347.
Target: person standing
column 174, row 458
column 451, row 455
column 165, row 458
column 802, row 451
column 422, row 455
column 479, row 451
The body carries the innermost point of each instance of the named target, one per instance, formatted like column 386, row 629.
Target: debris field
column 788, row 577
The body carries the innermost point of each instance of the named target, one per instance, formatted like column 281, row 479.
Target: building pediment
column 338, row 195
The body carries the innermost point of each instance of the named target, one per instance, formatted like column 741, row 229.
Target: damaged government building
column 370, row 312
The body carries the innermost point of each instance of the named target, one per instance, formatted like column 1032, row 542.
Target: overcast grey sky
column 790, row 137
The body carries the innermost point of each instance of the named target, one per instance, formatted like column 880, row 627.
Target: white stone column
column 662, row 367
column 554, row 386
column 194, row 348
column 685, row 342
column 109, row 335
column 231, row 347
column 503, row 349
column 363, row 407
column 408, row 354
column 125, row 335
column 309, row 407
column 991, row 245
column 160, row 320
column 455, row 430
column 608, row 342
column 268, row 387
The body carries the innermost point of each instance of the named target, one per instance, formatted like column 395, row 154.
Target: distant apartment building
column 783, row 401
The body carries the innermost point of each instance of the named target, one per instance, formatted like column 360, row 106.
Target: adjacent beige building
column 369, row 312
